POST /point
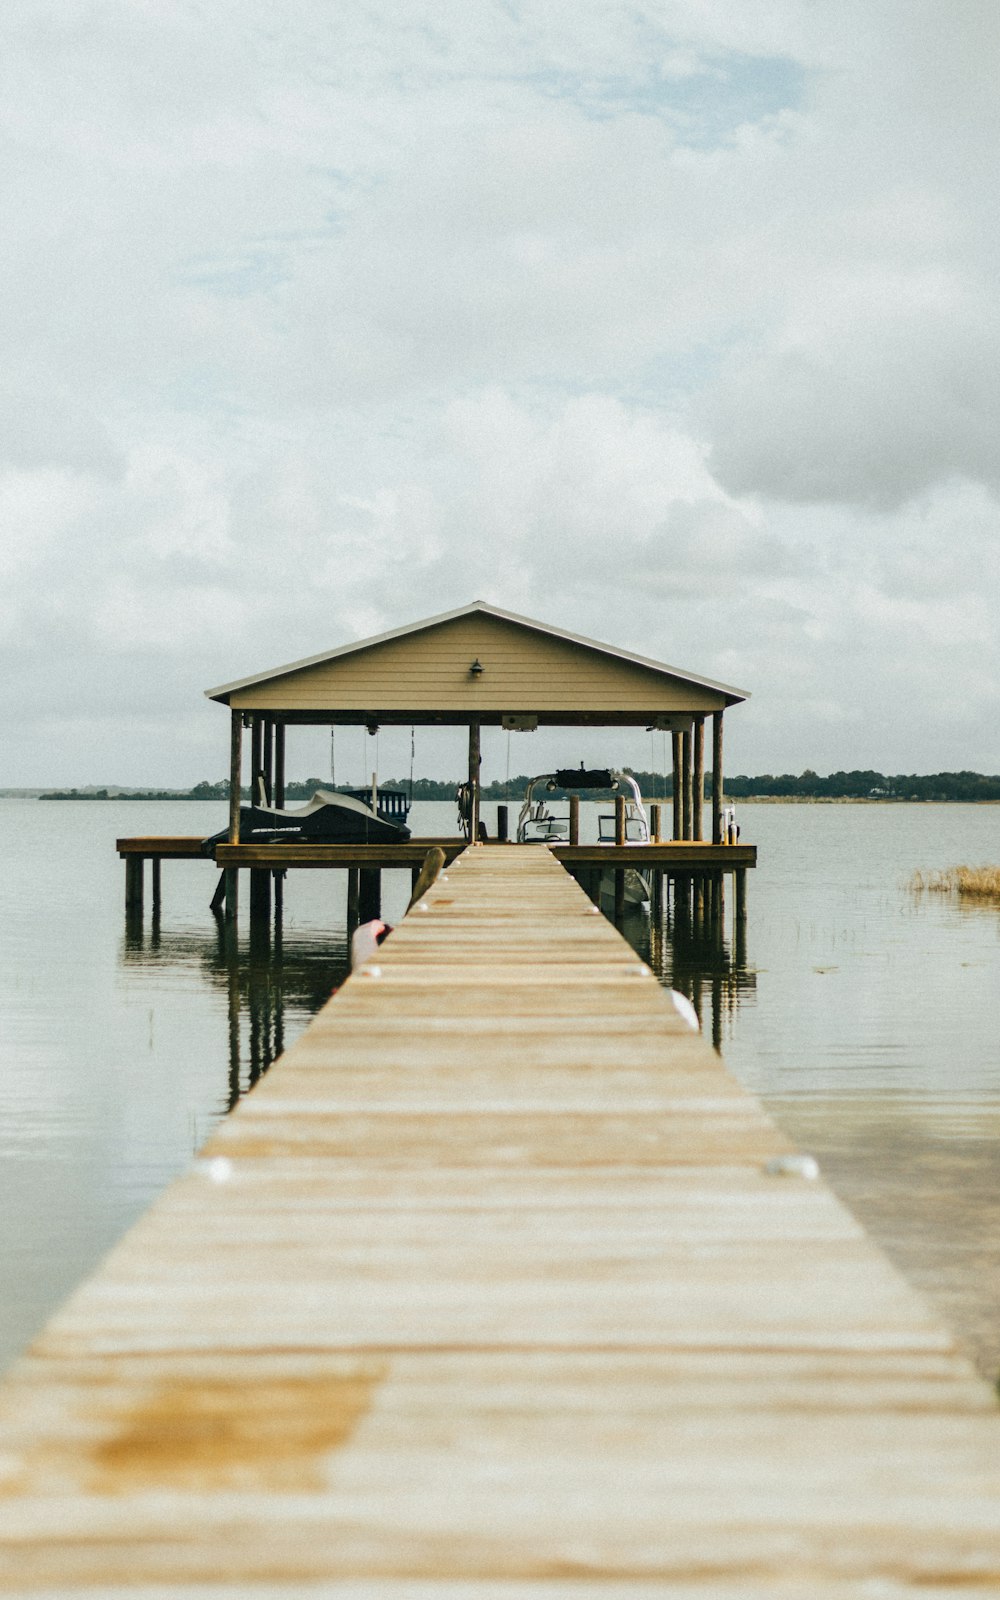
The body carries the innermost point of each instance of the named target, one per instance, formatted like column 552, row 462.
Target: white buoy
column 685, row 1009
column 217, row 1169
column 365, row 942
column 797, row 1166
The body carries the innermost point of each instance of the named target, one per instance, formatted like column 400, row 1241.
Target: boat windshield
column 636, row 831
column 540, row 829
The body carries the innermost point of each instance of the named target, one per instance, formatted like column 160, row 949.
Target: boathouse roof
column 477, row 661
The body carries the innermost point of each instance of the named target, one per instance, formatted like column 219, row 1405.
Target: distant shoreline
column 154, row 798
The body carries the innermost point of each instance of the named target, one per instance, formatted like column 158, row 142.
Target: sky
column 669, row 322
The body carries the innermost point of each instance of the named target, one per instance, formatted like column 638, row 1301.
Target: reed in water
column 972, row 883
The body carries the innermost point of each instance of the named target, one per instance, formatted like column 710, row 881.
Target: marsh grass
column 969, row 883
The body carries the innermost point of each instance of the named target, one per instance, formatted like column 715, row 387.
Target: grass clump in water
column 970, row 883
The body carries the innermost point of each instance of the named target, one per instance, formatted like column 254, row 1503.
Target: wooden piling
column 369, row 894
column 279, row 764
column 620, row 838
column 156, row 883
column 475, row 763
column 260, row 901
column 717, row 778
column 256, row 754
column 232, row 875
column 698, row 779
column 574, row 819
column 685, row 786
column 654, row 821
column 678, row 824
column 133, row 885
column 503, row 824
column 352, row 899
column 267, row 759
column 235, row 775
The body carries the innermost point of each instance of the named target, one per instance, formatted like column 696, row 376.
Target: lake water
column 864, row 1016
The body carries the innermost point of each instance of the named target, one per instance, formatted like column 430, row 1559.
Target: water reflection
column 266, row 977
column 703, row 957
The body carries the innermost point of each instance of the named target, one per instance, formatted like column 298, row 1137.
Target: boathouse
column 474, row 666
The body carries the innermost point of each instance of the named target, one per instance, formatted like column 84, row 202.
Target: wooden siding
column 523, row 671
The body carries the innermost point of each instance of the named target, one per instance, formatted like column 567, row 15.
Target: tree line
column 857, row 785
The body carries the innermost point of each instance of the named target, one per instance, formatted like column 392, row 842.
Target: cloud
column 671, row 323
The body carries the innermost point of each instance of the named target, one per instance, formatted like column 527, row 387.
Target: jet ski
column 328, row 817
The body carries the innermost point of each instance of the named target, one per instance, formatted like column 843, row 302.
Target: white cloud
column 672, row 323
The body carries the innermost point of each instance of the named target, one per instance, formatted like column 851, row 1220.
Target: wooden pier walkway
column 485, row 1291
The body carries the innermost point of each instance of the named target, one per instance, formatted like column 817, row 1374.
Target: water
column 864, row 1017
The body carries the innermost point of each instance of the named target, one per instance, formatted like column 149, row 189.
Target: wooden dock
column 486, row 1291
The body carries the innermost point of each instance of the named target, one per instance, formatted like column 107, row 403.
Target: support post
column 654, row 822
column 620, row 832
column 503, row 824
column 260, row 902
column 235, row 775
column 369, row 894
column 675, row 739
column 256, row 755
column 156, row 874
column 698, row 779
column 741, row 896
column 232, row 894
column 218, row 899
column 279, row 765
column 352, row 900
column 267, row 759
column 235, row 785
column 133, row 885
column 685, row 786
column 574, row 819
column 475, row 761
column 717, row 778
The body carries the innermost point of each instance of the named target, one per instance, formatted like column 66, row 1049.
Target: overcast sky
column 670, row 322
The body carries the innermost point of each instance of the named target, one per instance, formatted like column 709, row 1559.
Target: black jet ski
column 329, row 817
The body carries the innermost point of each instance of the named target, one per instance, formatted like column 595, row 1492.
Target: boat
column 329, row 816
column 538, row 824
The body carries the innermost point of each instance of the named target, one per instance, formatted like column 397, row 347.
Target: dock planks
column 496, row 1300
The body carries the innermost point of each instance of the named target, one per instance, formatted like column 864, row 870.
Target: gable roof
column 482, row 608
